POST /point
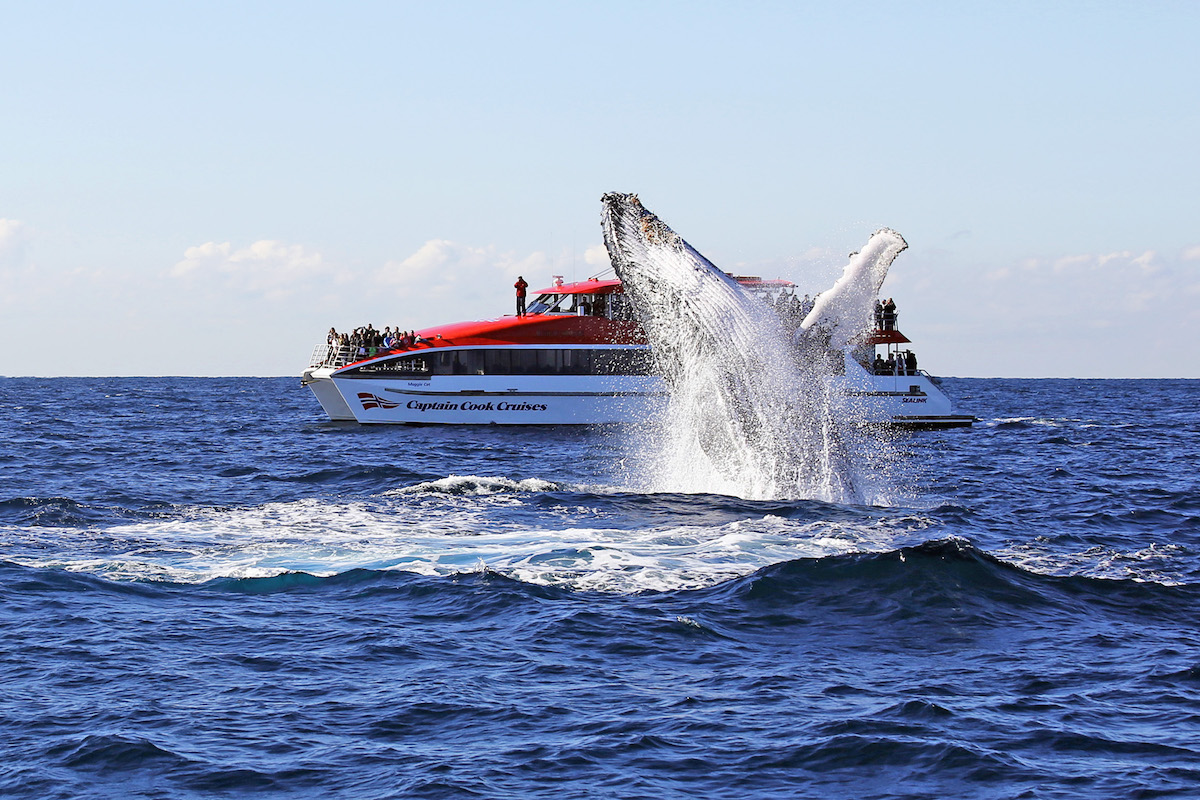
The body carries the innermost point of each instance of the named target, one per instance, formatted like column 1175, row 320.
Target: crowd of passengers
column 896, row 364
column 793, row 309
column 366, row 341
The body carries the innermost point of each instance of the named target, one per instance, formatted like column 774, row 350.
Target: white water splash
column 476, row 485
column 437, row 529
column 752, row 412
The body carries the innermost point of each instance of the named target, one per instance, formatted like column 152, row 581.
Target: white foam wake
column 578, row 542
column 575, row 541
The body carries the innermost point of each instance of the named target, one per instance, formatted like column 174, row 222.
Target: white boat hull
column 487, row 399
column 906, row 400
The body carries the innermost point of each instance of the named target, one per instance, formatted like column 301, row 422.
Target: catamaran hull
column 328, row 395
column 485, row 400
column 903, row 401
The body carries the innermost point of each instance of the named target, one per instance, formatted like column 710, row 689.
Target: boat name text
column 503, row 405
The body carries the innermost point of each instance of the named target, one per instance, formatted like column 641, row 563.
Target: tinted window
column 404, row 365
column 458, row 362
column 527, row 361
column 621, row 362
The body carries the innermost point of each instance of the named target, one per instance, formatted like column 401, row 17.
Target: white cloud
column 1116, row 262
column 1191, row 254
column 269, row 267
column 1107, row 257
column 596, row 256
column 1069, row 263
column 1148, row 261
column 441, row 263
column 468, row 281
column 1091, row 290
column 13, row 238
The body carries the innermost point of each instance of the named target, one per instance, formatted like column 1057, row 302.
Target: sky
column 204, row 188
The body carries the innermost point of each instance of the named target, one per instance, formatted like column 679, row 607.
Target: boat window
column 599, row 305
column 458, row 362
column 498, row 362
column 622, row 362
column 551, row 304
column 575, row 362
column 401, row 366
column 506, row 361
column 619, row 307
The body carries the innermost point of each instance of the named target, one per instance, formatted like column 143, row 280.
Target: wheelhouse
column 590, row 298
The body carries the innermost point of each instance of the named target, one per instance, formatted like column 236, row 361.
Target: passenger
column 795, row 310
column 889, row 315
column 878, row 314
column 910, row 361
column 782, row 304
column 889, row 366
column 806, row 307
column 880, row 365
column 520, row 286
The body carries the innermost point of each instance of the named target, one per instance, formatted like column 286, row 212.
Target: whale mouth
column 753, row 408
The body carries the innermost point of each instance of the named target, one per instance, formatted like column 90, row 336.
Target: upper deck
column 588, row 313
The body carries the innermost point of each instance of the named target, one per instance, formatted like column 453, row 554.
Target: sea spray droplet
column 752, row 410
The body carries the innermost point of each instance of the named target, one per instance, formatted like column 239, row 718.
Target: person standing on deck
column 520, row 286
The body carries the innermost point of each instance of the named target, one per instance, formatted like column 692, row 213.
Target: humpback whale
column 753, row 407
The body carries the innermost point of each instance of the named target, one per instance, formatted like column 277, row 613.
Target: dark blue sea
column 207, row 590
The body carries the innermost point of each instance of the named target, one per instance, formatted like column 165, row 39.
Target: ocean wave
column 580, row 537
column 1167, row 563
column 1018, row 423
column 532, row 530
column 117, row 753
column 67, row 512
column 951, row 580
column 476, row 485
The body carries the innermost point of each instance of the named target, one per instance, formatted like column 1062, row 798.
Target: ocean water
column 209, row 591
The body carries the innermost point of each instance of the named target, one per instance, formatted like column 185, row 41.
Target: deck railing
column 326, row 355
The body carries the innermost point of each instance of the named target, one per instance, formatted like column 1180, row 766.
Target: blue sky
column 204, row 188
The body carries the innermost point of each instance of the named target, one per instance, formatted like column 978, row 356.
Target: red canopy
column 890, row 336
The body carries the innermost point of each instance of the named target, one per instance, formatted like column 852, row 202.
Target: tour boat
column 577, row 357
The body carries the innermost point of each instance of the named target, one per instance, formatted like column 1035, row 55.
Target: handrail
column 326, row 355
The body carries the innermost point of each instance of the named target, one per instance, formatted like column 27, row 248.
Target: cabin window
column 549, row 304
column 416, row 365
column 622, row 362
column 566, row 361
column 505, row 361
column 498, row 362
column 619, row 307
column 458, row 362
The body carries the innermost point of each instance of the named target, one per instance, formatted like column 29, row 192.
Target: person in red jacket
column 520, row 286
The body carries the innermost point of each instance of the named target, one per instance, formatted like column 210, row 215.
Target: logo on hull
column 369, row 400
